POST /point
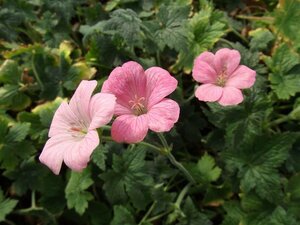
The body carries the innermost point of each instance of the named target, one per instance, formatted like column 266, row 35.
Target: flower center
column 138, row 105
column 78, row 130
column 222, row 77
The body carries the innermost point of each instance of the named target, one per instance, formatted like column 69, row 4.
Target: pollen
column 138, row 105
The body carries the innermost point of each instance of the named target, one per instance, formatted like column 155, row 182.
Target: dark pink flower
column 222, row 77
column 73, row 134
column 141, row 102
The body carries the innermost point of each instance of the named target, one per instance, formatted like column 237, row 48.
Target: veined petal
column 163, row 115
column 226, row 58
column 231, row 96
column 79, row 102
column 78, row 154
column 129, row 128
column 159, row 84
column 53, row 152
column 125, row 82
column 62, row 120
column 101, row 107
column 242, row 77
column 209, row 92
column 203, row 70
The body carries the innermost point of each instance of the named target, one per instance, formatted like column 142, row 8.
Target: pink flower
column 73, row 134
column 222, row 77
column 141, row 102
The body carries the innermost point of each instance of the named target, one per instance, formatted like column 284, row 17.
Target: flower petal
column 203, row 70
column 129, row 128
column 159, row 84
column 79, row 102
column 101, row 107
column 242, row 77
column 78, row 154
column 227, row 58
column 53, row 152
column 62, row 120
column 231, row 96
column 163, row 115
column 209, row 92
column 125, row 82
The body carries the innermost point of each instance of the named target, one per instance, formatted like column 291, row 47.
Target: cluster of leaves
column 244, row 159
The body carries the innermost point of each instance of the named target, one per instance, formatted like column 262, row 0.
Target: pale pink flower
column 222, row 77
column 141, row 102
column 73, row 134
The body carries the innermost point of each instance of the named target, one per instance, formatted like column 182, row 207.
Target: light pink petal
column 129, row 128
column 78, row 155
column 163, row 115
column 102, row 107
column 227, row 59
column 62, row 120
column 79, row 102
column 203, row 70
column 231, row 96
column 209, row 92
column 159, row 84
column 125, row 82
column 53, row 152
column 242, row 77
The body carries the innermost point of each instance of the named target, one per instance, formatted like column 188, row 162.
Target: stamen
column 137, row 105
column 222, row 77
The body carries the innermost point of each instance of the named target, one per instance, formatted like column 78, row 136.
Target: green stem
column 148, row 213
column 159, row 216
column 279, row 121
column 182, row 195
column 173, row 159
column 158, row 58
column 35, row 73
column 33, row 202
column 257, row 18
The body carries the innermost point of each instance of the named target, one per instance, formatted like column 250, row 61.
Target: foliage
column 244, row 159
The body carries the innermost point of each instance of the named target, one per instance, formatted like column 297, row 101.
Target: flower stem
column 148, row 213
column 173, row 160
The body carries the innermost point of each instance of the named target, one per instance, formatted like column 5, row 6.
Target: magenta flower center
column 138, row 105
column 222, row 77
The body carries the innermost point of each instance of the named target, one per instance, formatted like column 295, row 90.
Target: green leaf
column 287, row 18
column 122, row 216
column 261, row 37
column 99, row 156
column 257, row 160
column 192, row 215
column 9, row 72
column 205, row 29
column 128, row 178
column 283, row 81
column 171, row 31
column 6, row 206
column 11, row 97
column 205, row 171
column 18, row 132
column 234, row 213
column 76, row 194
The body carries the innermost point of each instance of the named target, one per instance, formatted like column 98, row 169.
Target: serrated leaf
column 205, row 171
column 284, row 82
column 257, row 161
column 122, row 216
column 261, row 37
column 99, row 156
column 76, row 194
column 128, row 178
column 192, row 216
column 6, row 206
column 9, row 72
column 17, row 133
column 172, row 31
